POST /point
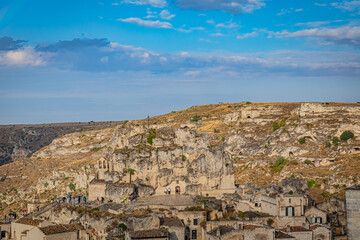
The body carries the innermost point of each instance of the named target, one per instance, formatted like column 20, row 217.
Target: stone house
column 176, row 228
column 283, row 236
column 321, row 232
column 194, row 221
column 247, row 232
column 299, row 232
column 57, row 232
column 352, row 196
column 5, row 229
column 291, row 205
column 20, row 227
column 315, row 215
column 158, row 234
column 265, row 204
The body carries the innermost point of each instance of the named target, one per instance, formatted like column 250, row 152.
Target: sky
column 107, row 60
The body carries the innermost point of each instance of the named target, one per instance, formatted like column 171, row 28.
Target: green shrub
column 96, row 149
column 72, row 187
column 203, row 201
column 216, row 131
column 195, row 118
column 126, row 121
column 223, row 138
column 275, row 126
column 308, row 162
column 302, row 140
column 291, row 192
column 346, row 135
column 248, row 102
column 310, row 183
column 46, row 184
column 292, row 176
column 122, row 226
column 266, row 146
column 151, row 136
column 226, row 164
column 282, row 123
column 335, row 140
column 183, row 157
column 328, row 144
column 279, row 165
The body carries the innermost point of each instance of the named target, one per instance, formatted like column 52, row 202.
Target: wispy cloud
column 217, row 35
column 229, row 24
column 165, row 14
column 318, row 23
column 352, row 6
column 291, row 10
column 147, row 23
column 154, row 3
column 345, row 35
column 230, row 6
column 247, row 35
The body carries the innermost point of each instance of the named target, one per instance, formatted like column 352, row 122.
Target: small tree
column 346, row 136
column 275, row 126
column 131, row 172
column 335, row 140
column 195, row 118
column 302, row 140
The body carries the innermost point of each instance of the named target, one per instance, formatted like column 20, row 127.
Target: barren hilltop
column 209, row 145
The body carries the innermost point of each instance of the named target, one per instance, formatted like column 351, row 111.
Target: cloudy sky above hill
column 127, row 59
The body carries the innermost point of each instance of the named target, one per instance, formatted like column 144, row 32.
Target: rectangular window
column 290, row 211
column 289, row 200
column 193, row 234
column 195, row 222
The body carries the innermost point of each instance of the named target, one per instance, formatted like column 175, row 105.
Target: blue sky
column 64, row 61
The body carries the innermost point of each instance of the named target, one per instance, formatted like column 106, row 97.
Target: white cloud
column 210, row 21
column 291, row 10
column 165, row 14
column 229, row 24
column 347, row 34
column 147, row 23
column 190, row 29
column 104, row 59
column 217, row 35
column 317, row 24
column 154, row 3
column 320, row 4
column 23, row 56
column 348, row 5
column 247, row 35
column 230, row 6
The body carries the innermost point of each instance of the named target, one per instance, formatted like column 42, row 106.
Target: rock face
column 20, row 141
column 175, row 157
column 206, row 148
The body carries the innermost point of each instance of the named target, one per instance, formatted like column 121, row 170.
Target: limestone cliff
column 203, row 147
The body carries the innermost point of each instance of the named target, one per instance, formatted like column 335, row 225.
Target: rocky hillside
column 19, row 141
column 260, row 143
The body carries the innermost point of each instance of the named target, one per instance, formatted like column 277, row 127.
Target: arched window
column 100, row 165
column 104, row 164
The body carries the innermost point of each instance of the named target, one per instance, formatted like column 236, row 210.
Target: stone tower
column 102, row 167
column 353, row 212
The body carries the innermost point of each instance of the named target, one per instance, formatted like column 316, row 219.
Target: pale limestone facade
column 193, row 219
column 315, row 215
column 352, row 195
column 291, row 205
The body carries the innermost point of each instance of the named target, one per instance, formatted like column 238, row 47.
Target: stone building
column 247, row 232
column 158, row 234
column 315, row 215
column 193, row 220
column 176, row 228
column 352, row 195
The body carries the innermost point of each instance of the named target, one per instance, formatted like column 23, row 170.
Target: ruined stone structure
column 353, row 212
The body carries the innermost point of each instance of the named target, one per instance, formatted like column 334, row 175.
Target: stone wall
column 353, row 213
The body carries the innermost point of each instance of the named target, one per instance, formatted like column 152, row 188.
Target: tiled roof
column 314, row 226
column 28, row 221
column 61, row 228
column 296, row 229
column 155, row 233
column 97, row 181
column 251, row 226
column 280, row 235
column 171, row 222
